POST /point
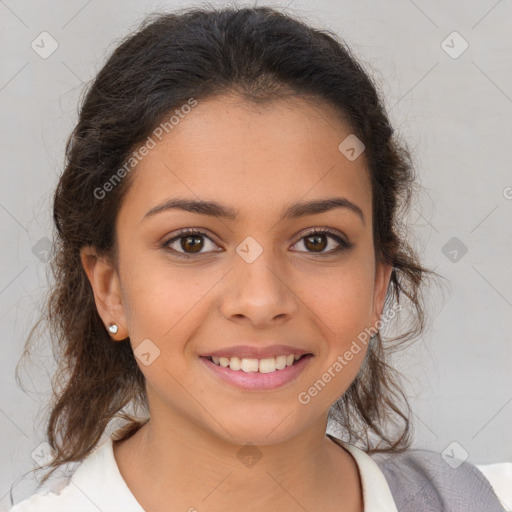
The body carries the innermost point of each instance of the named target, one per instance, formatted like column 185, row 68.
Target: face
column 257, row 282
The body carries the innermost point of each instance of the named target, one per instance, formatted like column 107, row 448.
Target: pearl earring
column 112, row 328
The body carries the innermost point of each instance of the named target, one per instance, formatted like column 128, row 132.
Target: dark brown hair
column 261, row 54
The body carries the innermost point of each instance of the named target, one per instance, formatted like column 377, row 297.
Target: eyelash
column 343, row 244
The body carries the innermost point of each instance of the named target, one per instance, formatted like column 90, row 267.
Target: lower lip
column 256, row 380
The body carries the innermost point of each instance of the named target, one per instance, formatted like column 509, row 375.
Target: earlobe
column 104, row 280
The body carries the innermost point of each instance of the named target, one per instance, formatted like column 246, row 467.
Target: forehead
column 253, row 157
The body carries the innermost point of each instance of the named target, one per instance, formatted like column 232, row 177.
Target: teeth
column 280, row 362
column 235, row 363
column 267, row 365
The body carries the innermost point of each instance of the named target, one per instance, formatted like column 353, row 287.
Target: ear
column 382, row 278
column 106, row 287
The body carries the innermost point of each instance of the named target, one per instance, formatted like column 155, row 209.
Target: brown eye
column 318, row 241
column 191, row 243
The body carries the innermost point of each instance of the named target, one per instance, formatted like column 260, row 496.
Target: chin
column 256, row 429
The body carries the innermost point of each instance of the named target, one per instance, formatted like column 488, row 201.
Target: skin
column 259, row 160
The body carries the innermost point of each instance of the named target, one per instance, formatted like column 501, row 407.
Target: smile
column 257, row 374
column 265, row 365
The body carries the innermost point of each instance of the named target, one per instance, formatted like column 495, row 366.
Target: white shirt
column 97, row 484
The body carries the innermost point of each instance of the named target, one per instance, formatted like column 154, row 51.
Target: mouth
column 253, row 365
column 257, row 374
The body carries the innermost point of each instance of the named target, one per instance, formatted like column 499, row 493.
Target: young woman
column 229, row 248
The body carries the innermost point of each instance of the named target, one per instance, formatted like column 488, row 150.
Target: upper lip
column 251, row 352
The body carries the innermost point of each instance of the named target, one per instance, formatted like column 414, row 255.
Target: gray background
column 456, row 114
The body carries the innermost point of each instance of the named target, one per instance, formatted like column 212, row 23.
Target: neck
column 190, row 467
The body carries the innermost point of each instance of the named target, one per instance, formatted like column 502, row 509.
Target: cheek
column 342, row 299
column 342, row 309
column 163, row 301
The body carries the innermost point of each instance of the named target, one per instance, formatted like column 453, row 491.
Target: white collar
column 99, row 478
column 377, row 495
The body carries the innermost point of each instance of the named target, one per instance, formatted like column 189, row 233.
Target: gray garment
column 421, row 481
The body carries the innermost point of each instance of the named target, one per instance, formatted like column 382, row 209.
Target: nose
column 259, row 293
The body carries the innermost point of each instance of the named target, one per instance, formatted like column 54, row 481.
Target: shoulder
column 50, row 501
column 424, row 480
column 96, row 484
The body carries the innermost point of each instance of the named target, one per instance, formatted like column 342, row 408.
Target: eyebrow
column 293, row 211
